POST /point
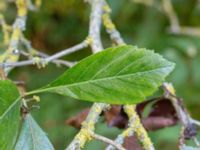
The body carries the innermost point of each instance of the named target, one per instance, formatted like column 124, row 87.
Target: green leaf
column 119, row 75
column 9, row 114
column 32, row 137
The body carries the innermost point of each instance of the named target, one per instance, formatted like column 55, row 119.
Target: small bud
column 36, row 98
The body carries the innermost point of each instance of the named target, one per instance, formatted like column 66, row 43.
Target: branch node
column 89, row 40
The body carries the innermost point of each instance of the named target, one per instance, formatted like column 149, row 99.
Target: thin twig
column 170, row 94
column 33, row 52
column 106, row 140
column 67, row 51
column 110, row 27
column 173, row 19
column 175, row 27
column 10, row 55
column 195, row 121
column 87, row 127
column 95, row 25
column 134, row 127
column 185, row 119
column 184, row 30
column 48, row 59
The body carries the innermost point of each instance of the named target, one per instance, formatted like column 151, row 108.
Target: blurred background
column 63, row 23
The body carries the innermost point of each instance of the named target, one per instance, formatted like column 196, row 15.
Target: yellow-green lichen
column 83, row 136
column 170, row 88
column 16, row 34
column 106, row 8
column 89, row 40
column 107, row 22
column 38, row 3
column 21, row 7
column 137, row 127
column 5, row 29
column 39, row 62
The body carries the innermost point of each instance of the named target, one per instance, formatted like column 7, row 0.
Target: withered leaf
column 162, row 114
column 131, row 143
column 115, row 116
column 78, row 119
column 155, row 123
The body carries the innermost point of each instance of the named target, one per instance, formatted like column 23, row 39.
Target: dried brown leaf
column 162, row 114
column 131, row 143
column 78, row 119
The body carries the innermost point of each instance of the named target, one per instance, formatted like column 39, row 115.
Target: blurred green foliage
column 62, row 23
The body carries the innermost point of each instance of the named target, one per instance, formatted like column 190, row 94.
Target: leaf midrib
column 101, row 79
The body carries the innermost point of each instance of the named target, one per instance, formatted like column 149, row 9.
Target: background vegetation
column 62, row 23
